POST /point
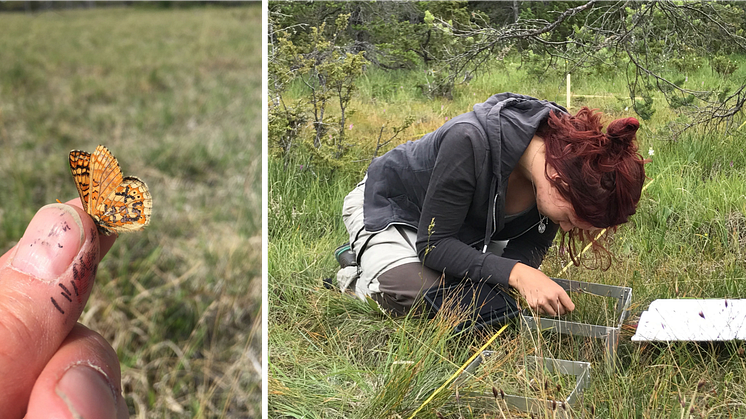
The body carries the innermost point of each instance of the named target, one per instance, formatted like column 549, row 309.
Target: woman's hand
column 50, row 365
column 541, row 293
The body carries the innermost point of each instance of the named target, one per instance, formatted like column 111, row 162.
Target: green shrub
column 644, row 109
column 723, row 65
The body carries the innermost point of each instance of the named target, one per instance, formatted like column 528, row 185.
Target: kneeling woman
column 515, row 169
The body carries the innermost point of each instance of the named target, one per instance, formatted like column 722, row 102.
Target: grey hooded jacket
column 450, row 186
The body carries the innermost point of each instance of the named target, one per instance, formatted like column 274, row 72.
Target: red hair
column 600, row 174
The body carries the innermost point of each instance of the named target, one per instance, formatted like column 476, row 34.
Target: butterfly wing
column 106, row 176
column 80, row 168
column 128, row 207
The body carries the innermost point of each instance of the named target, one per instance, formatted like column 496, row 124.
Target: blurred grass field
column 175, row 95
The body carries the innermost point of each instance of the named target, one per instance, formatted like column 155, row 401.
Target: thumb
column 45, row 282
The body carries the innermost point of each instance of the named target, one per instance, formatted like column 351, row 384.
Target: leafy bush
column 283, row 128
column 644, row 109
column 536, row 65
column 677, row 101
column 723, row 65
column 687, row 62
column 326, row 72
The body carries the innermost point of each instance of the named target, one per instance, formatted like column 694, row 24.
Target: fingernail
column 87, row 393
column 51, row 242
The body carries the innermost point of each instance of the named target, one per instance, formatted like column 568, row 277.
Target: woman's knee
column 401, row 287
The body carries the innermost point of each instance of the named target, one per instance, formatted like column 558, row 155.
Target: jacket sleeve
column 445, row 207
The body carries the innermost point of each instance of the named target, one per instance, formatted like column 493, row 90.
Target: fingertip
column 566, row 300
column 52, row 240
column 122, row 409
column 105, row 242
column 83, row 379
column 570, row 306
column 86, row 392
column 74, row 203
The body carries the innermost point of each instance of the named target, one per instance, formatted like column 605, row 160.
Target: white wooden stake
column 568, row 91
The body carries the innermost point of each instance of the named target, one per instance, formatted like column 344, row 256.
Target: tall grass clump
column 175, row 95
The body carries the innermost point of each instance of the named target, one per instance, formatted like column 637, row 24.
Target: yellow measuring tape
column 468, row 361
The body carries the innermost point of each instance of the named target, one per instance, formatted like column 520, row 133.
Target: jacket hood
column 510, row 115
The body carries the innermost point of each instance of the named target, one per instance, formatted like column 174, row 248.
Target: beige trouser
column 390, row 271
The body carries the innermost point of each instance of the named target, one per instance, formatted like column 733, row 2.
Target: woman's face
column 561, row 212
column 552, row 205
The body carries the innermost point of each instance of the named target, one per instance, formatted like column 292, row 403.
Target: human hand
column 50, row 365
column 541, row 293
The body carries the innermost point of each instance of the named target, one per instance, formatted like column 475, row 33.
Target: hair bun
column 623, row 129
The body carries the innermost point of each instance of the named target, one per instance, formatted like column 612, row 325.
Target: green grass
column 174, row 94
column 332, row 356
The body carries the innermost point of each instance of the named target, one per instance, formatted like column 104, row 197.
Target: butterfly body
column 116, row 203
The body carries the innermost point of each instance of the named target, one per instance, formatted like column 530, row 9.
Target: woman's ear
column 552, row 172
column 554, row 176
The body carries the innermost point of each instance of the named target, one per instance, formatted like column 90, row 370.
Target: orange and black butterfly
column 116, row 203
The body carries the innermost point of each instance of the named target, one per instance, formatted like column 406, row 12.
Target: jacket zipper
column 494, row 224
